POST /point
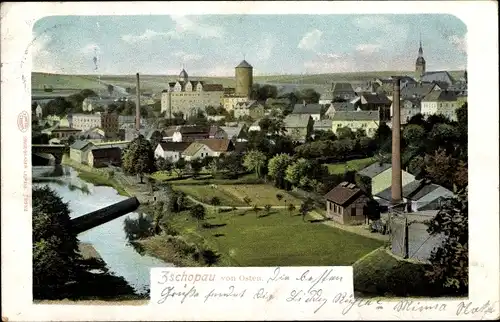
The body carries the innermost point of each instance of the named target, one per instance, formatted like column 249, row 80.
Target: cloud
column 368, row 48
column 185, row 57
column 460, row 43
column 147, row 35
column 192, row 26
column 90, row 49
column 310, row 40
column 42, row 58
column 265, row 48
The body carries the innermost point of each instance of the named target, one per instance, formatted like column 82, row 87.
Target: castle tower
column 420, row 63
column 244, row 79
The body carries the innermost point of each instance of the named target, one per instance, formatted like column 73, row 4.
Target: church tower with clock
column 244, row 79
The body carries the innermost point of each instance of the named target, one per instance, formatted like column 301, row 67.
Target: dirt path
column 230, row 207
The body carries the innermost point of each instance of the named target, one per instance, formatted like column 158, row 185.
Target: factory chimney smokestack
column 396, row 187
column 137, row 105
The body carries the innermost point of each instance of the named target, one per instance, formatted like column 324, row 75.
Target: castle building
column 189, row 96
column 420, row 64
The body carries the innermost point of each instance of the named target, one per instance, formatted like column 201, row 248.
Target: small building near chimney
column 102, row 157
column 347, row 204
column 380, row 176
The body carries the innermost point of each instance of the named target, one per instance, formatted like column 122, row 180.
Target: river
column 109, row 239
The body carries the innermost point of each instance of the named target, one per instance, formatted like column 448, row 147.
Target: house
column 255, row 127
column 340, row 106
column 235, row 133
column 79, row 150
column 408, row 109
column 298, row 126
column 418, row 90
column 343, row 91
column 248, row 108
column 129, row 119
column 380, row 177
column 326, row 98
column 314, row 110
column 419, row 195
column 95, row 135
column 189, row 133
column 323, row 125
column 377, row 102
column 171, row 150
column 207, row 148
column 109, row 123
column 62, row 132
column 438, row 77
column 364, row 120
column 86, row 121
column 216, row 132
column 440, row 102
column 102, row 157
column 347, row 204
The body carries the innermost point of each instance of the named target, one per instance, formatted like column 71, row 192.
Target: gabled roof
column 343, row 87
column 307, row 109
column 341, row 106
column 417, row 90
column 356, row 116
column 376, row 98
column 297, row 120
column 214, row 129
column 440, row 96
column 217, row 145
column 174, row 146
column 192, row 149
column 374, row 169
column 232, row 131
column 244, row 64
column 343, row 194
column 79, row 145
column 106, row 153
column 442, row 76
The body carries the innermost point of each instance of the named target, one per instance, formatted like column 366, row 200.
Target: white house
column 440, row 102
column 171, row 150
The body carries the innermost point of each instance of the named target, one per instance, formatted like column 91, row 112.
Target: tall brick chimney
column 396, row 187
column 137, row 104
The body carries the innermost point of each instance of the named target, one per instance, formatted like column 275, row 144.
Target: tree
column 71, row 140
column 58, row 106
column 305, row 207
column 450, row 261
column 279, row 196
column 179, row 167
column 461, row 178
column 138, row 158
column 305, row 173
column 383, row 137
column 156, row 138
column 308, row 95
column 55, row 244
column 345, row 133
column 267, row 208
column 198, row 212
column 215, row 201
column 254, row 161
column 196, row 166
column 210, row 110
column 414, row 134
column 232, row 163
column 247, row 200
column 440, row 168
column 111, row 88
column 163, row 164
column 256, row 209
column 277, row 169
column 291, row 208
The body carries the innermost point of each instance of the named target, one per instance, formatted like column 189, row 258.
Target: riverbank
column 97, row 177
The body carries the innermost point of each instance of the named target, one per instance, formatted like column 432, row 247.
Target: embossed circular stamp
column 23, row 121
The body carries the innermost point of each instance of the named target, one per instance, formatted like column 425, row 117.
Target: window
column 353, row 212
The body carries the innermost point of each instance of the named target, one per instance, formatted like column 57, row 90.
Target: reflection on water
column 110, row 239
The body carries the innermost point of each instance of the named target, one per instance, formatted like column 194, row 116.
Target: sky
column 212, row 45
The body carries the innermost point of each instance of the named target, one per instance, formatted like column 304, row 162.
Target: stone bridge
column 57, row 150
column 103, row 215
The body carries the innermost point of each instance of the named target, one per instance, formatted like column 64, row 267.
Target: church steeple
column 420, row 63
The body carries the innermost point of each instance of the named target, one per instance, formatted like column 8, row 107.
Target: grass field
column 233, row 195
column 352, row 165
column 244, row 238
column 205, row 194
column 156, row 83
column 380, row 273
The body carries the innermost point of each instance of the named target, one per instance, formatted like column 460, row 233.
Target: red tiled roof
column 342, row 194
column 218, row 145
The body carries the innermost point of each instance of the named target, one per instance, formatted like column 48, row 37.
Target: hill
column 156, row 83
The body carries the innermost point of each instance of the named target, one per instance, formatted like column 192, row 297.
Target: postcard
column 249, row 161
